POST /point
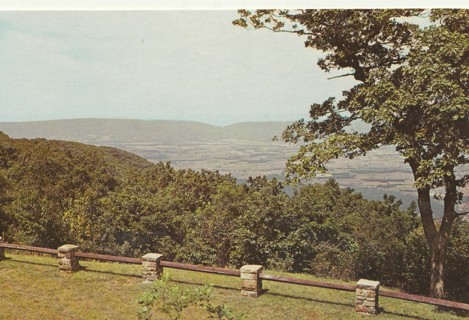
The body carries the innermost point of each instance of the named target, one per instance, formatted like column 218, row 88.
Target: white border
column 220, row 4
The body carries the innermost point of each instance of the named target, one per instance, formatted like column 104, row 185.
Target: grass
column 31, row 287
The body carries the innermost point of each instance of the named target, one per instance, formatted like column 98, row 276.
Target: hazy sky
column 187, row 65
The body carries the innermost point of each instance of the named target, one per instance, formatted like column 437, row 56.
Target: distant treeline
column 110, row 201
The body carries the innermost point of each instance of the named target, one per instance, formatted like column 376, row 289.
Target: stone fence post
column 151, row 269
column 2, row 250
column 367, row 293
column 251, row 285
column 67, row 259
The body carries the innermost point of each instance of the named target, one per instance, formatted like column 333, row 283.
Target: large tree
column 411, row 91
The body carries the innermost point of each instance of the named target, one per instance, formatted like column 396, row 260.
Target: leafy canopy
column 412, row 89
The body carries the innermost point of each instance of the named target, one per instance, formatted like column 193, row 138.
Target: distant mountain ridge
column 109, row 131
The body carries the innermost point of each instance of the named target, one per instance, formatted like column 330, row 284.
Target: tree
column 7, row 155
column 412, row 92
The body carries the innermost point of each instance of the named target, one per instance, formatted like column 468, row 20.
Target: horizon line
column 149, row 120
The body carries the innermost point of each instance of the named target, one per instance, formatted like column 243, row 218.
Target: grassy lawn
column 31, row 287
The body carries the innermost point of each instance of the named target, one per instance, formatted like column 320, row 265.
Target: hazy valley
column 243, row 149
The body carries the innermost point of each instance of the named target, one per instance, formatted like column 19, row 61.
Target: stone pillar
column 2, row 250
column 367, row 297
column 67, row 259
column 251, row 285
column 151, row 269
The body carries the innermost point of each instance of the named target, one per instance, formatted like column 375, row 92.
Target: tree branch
column 263, row 26
column 286, row 31
column 341, row 76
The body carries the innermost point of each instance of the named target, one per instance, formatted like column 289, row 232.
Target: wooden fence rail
column 105, row 257
column 305, row 282
column 193, row 267
column 27, row 248
column 259, row 276
column 423, row 299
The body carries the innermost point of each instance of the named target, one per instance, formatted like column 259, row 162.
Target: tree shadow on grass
column 82, row 268
column 283, row 295
column 400, row 314
column 456, row 312
column 31, row 262
column 267, row 291
column 382, row 310
column 202, row 284
column 452, row 311
column 86, row 269
column 440, row 310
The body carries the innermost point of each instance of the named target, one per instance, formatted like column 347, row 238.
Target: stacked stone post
column 151, row 269
column 367, row 297
column 67, row 260
column 251, row 284
column 2, row 250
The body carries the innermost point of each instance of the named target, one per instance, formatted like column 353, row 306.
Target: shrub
column 172, row 300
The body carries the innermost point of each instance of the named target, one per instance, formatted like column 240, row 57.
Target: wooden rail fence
column 367, row 292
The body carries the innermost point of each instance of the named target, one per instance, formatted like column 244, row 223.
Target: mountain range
column 112, row 131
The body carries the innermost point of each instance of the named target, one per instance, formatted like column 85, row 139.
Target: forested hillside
column 241, row 149
column 109, row 201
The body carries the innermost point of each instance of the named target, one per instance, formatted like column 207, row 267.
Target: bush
column 172, row 300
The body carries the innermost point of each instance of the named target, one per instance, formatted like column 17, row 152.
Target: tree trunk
column 435, row 242
column 438, row 257
column 437, row 239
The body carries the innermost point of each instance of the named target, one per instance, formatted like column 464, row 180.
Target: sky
column 155, row 65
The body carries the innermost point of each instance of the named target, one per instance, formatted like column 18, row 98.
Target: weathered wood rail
column 382, row 293
column 367, row 292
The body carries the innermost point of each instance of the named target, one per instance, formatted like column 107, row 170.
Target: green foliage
column 56, row 192
column 4, row 201
column 49, row 178
column 7, row 156
column 416, row 263
column 172, row 300
column 458, row 257
column 411, row 92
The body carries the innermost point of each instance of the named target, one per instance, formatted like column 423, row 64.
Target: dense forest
column 110, row 201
